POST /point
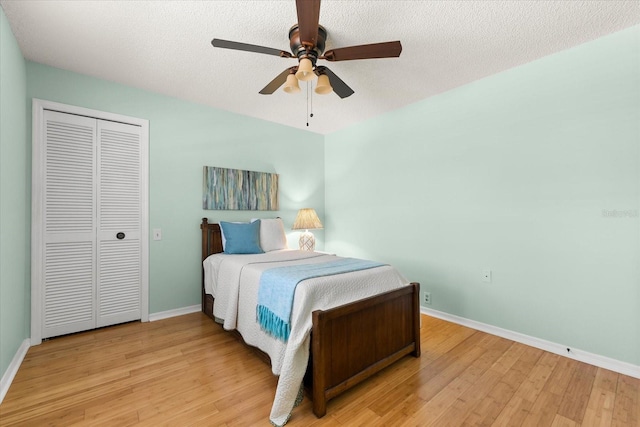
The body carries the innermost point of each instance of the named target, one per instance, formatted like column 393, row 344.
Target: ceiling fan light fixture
column 305, row 70
column 324, row 86
column 291, row 86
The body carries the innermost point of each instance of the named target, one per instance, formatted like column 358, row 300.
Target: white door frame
column 37, row 232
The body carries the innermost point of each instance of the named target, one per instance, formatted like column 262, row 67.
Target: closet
column 89, row 220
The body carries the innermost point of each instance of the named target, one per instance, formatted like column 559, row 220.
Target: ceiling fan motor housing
column 302, row 51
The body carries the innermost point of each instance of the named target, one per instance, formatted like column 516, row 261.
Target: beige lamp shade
column 305, row 70
column 291, row 86
column 324, row 86
column 306, row 219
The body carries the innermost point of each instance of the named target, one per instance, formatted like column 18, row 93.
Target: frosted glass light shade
column 305, row 70
column 291, row 86
column 324, row 86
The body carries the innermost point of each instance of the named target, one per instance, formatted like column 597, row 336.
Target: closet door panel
column 119, row 223
column 69, row 248
column 69, row 291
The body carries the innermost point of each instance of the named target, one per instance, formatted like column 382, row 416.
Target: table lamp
column 307, row 219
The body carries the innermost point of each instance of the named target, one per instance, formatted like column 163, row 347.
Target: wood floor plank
column 492, row 403
column 174, row 406
column 480, row 384
column 61, row 417
column 188, row 371
column 560, row 421
column 626, row 411
column 498, row 402
column 440, row 399
column 108, row 407
column 127, row 419
column 546, row 405
column 576, row 397
column 599, row 410
column 453, row 362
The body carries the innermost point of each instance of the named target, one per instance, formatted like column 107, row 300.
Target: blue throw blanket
column 277, row 288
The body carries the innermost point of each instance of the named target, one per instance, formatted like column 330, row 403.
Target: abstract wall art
column 235, row 189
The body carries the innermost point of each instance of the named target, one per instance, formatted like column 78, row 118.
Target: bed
column 347, row 344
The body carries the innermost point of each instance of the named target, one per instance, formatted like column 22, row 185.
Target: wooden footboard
column 352, row 342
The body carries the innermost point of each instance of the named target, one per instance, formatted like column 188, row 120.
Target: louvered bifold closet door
column 119, row 276
column 69, row 228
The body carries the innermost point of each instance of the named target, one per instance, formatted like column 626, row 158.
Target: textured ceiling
column 165, row 47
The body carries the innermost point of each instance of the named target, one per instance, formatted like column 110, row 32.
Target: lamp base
column 307, row 241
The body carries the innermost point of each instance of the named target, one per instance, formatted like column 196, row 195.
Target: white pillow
column 272, row 236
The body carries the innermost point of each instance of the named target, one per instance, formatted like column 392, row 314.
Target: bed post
column 416, row 318
column 319, row 362
column 205, row 232
column 205, row 240
column 211, row 244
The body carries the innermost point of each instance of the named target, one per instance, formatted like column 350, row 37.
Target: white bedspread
column 235, row 284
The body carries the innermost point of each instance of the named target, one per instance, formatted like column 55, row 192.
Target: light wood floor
column 187, row 371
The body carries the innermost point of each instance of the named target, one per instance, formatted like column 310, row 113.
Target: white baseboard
column 175, row 312
column 573, row 353
column 12, row 369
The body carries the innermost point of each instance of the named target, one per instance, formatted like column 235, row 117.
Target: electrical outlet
column 486, row 275
column 427, row 298
column 157, row 234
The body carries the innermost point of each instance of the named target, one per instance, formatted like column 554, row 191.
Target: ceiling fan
column 307, row 41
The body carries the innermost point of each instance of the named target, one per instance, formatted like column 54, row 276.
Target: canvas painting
column 235, row 189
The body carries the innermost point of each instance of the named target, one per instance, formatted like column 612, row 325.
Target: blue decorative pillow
column 241, row 238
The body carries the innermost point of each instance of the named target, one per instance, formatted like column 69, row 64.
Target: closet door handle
column 120, row 235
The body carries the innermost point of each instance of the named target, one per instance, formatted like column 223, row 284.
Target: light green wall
column 15, row 193
column 513, row 173
column 184, row 137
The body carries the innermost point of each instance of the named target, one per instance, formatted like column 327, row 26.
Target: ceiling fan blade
column 339, row 87
column 226, row 44
column 365, row 51
column 308, row 21
column 277, row 82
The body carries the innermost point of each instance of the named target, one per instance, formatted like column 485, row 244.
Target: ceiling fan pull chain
column 307, row 102
column 311, row 82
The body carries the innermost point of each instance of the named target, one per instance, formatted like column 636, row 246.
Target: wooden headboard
column 211, row 244
column 211, row 238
